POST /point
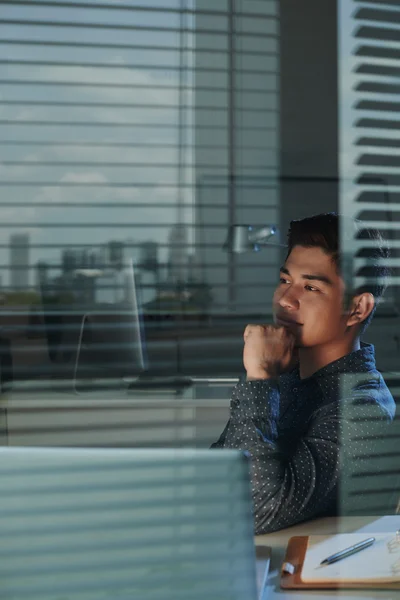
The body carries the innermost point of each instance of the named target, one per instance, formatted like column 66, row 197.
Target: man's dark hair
column 326, row 231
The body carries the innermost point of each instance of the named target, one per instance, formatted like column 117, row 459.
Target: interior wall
column 308, row 109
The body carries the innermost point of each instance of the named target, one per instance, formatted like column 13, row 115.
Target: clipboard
column 293, row 564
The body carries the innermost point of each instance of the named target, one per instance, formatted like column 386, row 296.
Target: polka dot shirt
column 294, row 430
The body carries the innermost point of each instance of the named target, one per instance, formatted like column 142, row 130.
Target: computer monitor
column 96, row 338
column 85, row 524
column 111, row 341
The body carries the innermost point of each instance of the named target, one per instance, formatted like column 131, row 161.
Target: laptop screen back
column 109, row 523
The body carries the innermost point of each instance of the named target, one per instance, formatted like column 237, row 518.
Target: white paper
column 379, row 562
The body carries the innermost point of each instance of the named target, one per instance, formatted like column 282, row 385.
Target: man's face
column 309, row 298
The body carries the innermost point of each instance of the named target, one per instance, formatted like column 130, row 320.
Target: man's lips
column 285, row 321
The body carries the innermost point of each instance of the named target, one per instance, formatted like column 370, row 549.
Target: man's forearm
column 290, row 488
column 256, row 400
column 292, row 480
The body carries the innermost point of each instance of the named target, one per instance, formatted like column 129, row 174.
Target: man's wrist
column 257, row 375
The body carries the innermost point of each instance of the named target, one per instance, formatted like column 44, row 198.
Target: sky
column 145, row 135
column 94, row 165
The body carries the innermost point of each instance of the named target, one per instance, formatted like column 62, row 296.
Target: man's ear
column 361, row 307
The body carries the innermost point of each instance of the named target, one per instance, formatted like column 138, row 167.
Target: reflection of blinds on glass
column 126, row 524
column 92, row 101
column 99, row 105
column 132, row 130
column 242, row 186
column 50, row 416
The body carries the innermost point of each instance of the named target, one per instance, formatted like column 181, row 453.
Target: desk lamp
column 246, row 238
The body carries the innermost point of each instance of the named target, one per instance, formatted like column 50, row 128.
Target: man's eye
column 283, row 280
column 310, row 288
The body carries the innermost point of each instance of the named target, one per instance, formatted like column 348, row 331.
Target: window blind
column 369, row 69
column 373, row 197
column 138, row 131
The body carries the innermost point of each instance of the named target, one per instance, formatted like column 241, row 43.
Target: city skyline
column 19, row 261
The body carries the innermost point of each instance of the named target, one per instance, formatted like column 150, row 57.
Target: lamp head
column 248, row 238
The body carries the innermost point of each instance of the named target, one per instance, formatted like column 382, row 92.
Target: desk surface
column 332, row 525
column 18, row 402
column 34, row 414
column 46, row 394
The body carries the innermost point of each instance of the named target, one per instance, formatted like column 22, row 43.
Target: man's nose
column 289, row 299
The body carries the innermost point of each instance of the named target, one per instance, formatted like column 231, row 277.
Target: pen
column 348, row 551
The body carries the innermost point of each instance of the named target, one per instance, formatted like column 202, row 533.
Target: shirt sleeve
column 259, row 397
column 293, row 478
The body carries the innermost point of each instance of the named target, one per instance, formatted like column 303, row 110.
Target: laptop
column 93, row 524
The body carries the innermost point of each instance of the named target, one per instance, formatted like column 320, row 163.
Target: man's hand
column 268, row 351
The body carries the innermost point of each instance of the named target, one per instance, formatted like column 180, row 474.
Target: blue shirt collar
column 359, row 361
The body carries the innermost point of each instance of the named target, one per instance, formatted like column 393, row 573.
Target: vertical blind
column 376, row 71
column 370, row 69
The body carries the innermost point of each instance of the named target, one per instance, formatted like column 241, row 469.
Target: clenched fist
column 268, row 351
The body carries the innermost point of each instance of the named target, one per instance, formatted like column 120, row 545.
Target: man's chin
column 298, row 342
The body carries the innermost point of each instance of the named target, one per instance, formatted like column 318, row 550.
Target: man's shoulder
column 365, row 391
column 371, row 389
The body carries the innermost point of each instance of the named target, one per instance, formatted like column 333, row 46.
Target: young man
column 287, row 414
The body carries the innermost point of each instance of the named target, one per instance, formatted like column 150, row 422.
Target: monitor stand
column 148, row 382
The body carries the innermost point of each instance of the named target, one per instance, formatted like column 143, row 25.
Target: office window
column 135, row 133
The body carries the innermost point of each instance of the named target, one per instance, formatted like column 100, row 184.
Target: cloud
column 146, row 146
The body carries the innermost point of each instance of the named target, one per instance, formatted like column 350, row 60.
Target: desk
column 56, row 416
column 332, row 525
